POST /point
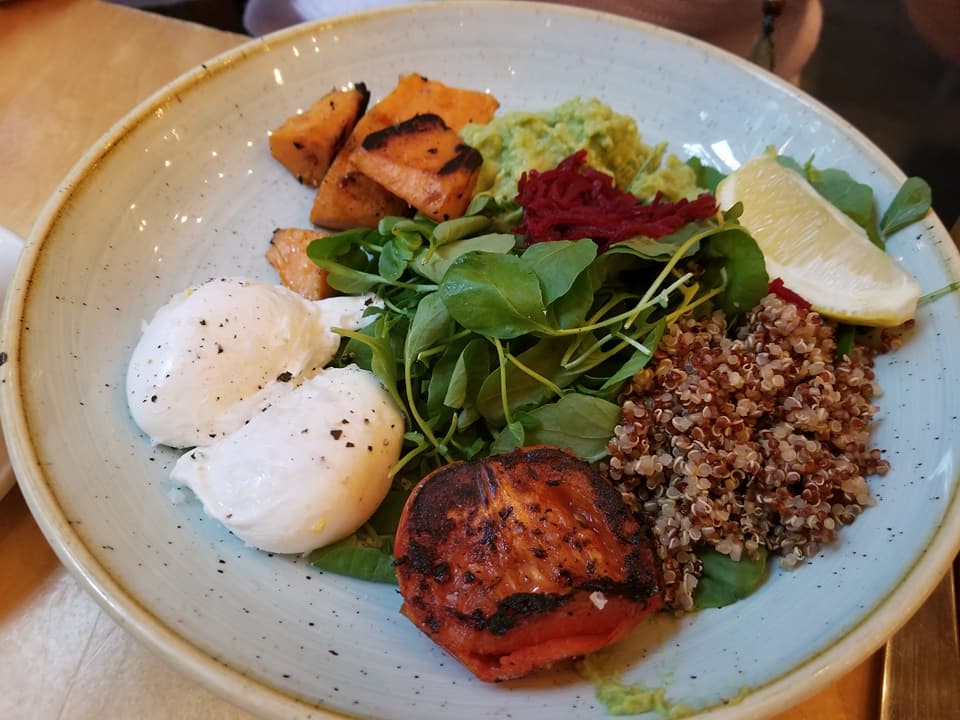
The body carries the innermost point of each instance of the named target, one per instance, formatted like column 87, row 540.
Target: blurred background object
column 731, row 24
column 889, row 67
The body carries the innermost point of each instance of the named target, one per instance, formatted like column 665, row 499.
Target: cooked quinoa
column 759, row 439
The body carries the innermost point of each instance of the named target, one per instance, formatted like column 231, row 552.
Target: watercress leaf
column 576, row 422
column 523, row 391
column 510, row 438
column 707, row 176
column 336, row 245
column 733, row 213
column 385, row 226
column 852, row 198
column 410, row 241
column 467, row 417
column 638, row 361
column 471, row 368
column 346, row 279
column 431, row 325
column 494, row 295
column 358, row 352
column 558, row 264
column 724, row 581
column 421, row 225
column 383, row 361
column 735, row 262
column 350, row 557
column 664, row 248
column 440, row 373
column 789, row 162
column 393, row 259
column 910, row 204
column 414, row 437
column 479, row 203
column 570, row 310
column 433, row 263
column 459, row 228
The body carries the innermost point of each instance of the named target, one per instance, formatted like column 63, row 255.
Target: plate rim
column 861, row 640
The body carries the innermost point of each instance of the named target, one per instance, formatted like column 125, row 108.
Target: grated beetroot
column 574, row 201
column 784, row 293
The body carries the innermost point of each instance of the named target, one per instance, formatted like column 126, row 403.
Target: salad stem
column 946, row 290
column 553, row 387
column 668, row 267
column 402, row 462
column 423, row 424
column 508, row 418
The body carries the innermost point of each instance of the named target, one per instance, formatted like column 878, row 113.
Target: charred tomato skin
column 519, row 560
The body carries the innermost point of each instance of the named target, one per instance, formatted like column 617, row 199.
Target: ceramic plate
column 184, row 189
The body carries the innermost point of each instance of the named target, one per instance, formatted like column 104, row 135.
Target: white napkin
column 10, row 246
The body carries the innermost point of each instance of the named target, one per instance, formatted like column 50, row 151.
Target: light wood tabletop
column 69, row 69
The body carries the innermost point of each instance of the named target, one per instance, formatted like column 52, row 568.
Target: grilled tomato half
column 516, row 561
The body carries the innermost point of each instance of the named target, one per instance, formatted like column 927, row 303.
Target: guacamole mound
column 519, row 141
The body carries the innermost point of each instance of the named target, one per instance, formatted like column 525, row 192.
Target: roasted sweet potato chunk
column 288, row 255
column 424, row 162
column 416, row 95
column 516, row 561
column 306, row 144
column 345, row 198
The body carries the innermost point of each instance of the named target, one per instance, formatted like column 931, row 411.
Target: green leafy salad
column 489, row 341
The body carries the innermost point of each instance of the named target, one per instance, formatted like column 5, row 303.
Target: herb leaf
column 735, row 262
column 431, row 324
column 353, row 557
column 910, row 204
column 576, row 422
column 708, row 177
column 558, row 264
column 495, row 295
column 472, row 366
column 638, row 361
column 724, row 580
column 432, row 264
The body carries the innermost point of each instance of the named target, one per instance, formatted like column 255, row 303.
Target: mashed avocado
column 620, row 698
column 519, row 141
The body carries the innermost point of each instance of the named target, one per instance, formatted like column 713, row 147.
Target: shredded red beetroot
column 784, row 293
column 574, row 201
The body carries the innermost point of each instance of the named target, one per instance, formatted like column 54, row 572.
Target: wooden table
column 68, row 70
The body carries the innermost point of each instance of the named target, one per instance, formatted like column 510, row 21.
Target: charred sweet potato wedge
column 345, row 197
column 288, row 255
column 516, row 561
column 417, row 95
column 306, row 144
column 423, row 161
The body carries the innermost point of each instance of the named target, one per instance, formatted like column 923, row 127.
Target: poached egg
column 307, row 471
column 287, row 454
column 216, row 353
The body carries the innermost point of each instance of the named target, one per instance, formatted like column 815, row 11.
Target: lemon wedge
column 816, row 250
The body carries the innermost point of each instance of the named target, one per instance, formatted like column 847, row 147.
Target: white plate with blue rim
column 184, row 189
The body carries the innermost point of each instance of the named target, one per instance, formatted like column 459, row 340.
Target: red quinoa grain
column 761, row 439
